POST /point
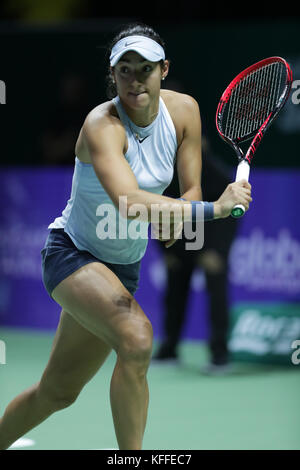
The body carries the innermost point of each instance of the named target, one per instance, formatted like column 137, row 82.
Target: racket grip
column 242, row 173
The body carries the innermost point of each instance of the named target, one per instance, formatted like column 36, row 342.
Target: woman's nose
column 136, row 77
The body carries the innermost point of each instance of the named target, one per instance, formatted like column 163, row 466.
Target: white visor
column 144, row 46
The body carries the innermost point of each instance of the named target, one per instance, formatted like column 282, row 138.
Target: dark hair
column 132, row 29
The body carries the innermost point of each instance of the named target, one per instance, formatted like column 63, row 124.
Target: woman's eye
column 124, row 69
column 147, row 68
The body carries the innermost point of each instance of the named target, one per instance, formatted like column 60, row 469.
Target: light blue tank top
column 90, row 211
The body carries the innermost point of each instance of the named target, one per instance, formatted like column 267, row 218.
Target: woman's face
column 138, row 80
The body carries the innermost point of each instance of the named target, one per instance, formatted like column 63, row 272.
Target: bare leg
column 129, row 395
column 76, row 356
column 22, row 414
column 99, row 302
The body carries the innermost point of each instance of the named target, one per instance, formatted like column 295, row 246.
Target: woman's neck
column 142, row 117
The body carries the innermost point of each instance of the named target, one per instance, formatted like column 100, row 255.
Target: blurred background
column 53, row 69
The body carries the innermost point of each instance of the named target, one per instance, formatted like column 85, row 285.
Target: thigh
column 97, row 299
column 76, row 356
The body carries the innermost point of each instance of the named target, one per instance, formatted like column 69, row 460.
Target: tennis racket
column 247, row 108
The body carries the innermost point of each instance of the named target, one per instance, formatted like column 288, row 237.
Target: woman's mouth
column 136, row 93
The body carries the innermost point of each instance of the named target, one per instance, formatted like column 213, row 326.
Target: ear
column 165, row 69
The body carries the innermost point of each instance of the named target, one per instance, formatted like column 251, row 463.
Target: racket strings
column 252, row 100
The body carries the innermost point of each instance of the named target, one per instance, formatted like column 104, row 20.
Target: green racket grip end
column 238, row 211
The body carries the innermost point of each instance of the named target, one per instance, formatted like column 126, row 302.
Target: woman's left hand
column 168, row 233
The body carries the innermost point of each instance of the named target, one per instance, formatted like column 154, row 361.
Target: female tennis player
column 126, row 147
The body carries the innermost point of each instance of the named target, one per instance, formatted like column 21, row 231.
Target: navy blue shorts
column 60, row 258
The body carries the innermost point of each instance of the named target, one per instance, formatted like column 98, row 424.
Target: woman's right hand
column 235, row 193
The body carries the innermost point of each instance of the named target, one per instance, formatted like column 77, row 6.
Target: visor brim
column 148, row 55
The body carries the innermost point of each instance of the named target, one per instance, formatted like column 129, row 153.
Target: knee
column 212, row 262
column 55, row 396
column 136, row 344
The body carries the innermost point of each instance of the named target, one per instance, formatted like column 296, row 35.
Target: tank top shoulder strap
column 164, row 110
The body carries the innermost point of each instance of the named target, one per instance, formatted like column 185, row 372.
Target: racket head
column 251, row 102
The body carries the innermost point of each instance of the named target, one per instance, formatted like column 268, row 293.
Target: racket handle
column 242, row 173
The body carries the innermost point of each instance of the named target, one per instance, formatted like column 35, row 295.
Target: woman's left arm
column 189, row 155
column 189, row 160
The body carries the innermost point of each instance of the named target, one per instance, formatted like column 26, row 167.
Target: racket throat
column 238, row 151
